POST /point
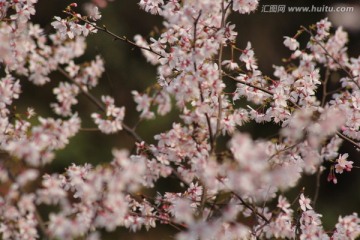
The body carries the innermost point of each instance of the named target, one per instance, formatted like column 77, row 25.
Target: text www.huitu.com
column 304, row 9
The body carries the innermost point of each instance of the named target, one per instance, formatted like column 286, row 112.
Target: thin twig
column 283, row 150
column 249, row 84
column 115, row 36
column 203, row 196
column 250, row 207
column 245, row 204
column 159, row 218
column 218, row 122
column 324, row 93
column 89, row 129
column 317, row 187
column 96, row 102
column 348, row 139
column 208, row 122
column 335, row 91
column 211, row 139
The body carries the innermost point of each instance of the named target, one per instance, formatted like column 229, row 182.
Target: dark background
column 127, row 70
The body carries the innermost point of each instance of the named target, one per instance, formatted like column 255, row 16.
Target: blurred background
column 127, row 70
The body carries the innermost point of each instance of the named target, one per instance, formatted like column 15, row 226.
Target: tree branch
column 249, row 84
column 115, row 36
column 96, row 102
column 332, row 57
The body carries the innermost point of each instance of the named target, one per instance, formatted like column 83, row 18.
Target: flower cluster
column 9, row 90
column 114, row 116
column 66, row 95
column 71, row 28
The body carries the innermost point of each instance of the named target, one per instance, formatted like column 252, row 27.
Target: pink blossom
column 248, row 58
column 343, row 164
column 245, row 6
column 291, row 43
column 92, row 11
column 304, row 203
column 114, row 117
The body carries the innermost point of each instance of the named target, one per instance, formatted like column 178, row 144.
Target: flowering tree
column 226, row 194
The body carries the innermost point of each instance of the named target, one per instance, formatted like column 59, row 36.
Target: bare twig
column 335, row 91
column 89, row 129
column 317, row 187
column 357, row 145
